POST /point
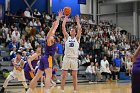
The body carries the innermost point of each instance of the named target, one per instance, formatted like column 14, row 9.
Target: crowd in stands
column 104, row 49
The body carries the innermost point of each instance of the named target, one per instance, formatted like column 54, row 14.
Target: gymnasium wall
column 121, row 15
column 41, row 5
column 60, row 4
column 125, row 19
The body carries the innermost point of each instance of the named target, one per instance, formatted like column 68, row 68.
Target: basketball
column 19, row 68
column 67, row 11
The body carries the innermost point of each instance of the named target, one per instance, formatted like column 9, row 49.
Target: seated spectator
column 5, row 29
column 81, row 54
column 36, row 13
column 22, row 41
column 117, row 62
column 38, row 22
column 98, row 73
column 8, row 38
column 105, row 69
column 33, row 22
column 16, row 34
column 96, row 59
column 47, row 17
column 27, row 45
column 24, row 56
column 90, row 73
column 114, row 71
column 28, row 29
column 86, row 61
column 13, row 53
column 27, row 13
column 12, row 44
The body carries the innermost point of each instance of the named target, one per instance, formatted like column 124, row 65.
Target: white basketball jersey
column 71, row 47
column 18, row 64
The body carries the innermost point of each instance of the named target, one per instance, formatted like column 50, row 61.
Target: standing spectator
column 129, row 64
column 90, row 73
column 59, row 50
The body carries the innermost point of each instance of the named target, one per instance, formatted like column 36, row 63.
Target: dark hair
column 19, row 52
column 38, row 46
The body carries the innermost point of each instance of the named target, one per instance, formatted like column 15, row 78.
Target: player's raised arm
column 79, row 30
column 136, row 54
column 64, row 28
column 55, row 24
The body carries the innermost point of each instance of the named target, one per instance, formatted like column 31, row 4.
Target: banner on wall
column 82, row 2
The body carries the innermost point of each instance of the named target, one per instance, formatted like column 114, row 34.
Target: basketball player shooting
column 71, row 52
column 46, row 60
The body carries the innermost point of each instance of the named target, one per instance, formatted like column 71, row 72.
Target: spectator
column 98, row 73
column 13, row 53
column 90, row 73
column 86, row 61
column 36, row 13
column 81, row 54
column 114, row 71
column 96, row 59
column 105, row 68
column 129, row 64
column 24, row 56
column 16, row 34
column 117, row 62
column 27, row 45
column 59, row 51
column 27, row 13
column 12, row 44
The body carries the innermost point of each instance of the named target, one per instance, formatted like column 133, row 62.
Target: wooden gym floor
column 82, row 88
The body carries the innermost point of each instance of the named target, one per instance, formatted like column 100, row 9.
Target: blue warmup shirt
column 60, row 48
column 118, row 62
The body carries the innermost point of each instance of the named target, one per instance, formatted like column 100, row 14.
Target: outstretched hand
column 60, row 13
column 77, row 18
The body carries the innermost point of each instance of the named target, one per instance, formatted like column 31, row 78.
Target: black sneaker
column 26, row 89
column 2, row 90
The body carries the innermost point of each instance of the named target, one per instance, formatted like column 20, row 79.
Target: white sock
column 47, row 90
column 28, row 91
column 62, row 91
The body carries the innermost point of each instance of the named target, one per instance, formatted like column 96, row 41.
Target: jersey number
column 71, row 44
